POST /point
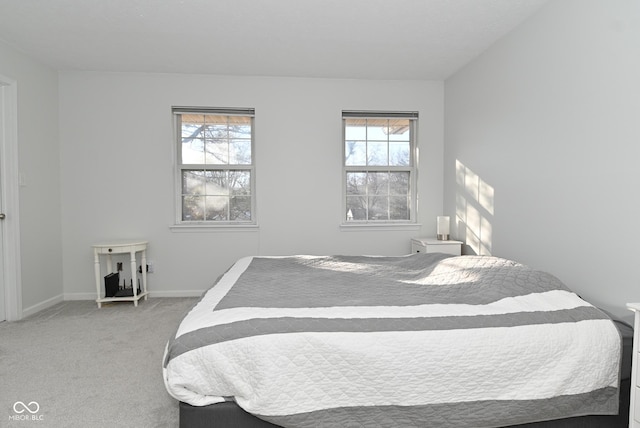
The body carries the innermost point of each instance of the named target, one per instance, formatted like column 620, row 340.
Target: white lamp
column 443, row 228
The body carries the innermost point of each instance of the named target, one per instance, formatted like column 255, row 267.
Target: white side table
column 433, row 245
column 121, row 247
column 634, row 404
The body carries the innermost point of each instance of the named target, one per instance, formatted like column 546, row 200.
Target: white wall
column 118, row 172
column 544, row 129
column 38, row 151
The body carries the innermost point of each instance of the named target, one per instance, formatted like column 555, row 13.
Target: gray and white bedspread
column 412, row 341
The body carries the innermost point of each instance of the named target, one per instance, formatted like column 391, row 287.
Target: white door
column 3, row 312
column 10, row 277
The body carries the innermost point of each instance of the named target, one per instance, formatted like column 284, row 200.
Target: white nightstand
column 121, row 247
column 433, row 245
column 634, row 404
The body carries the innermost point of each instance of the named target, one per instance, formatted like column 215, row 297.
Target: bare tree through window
column 379, row 167
column 216, row 166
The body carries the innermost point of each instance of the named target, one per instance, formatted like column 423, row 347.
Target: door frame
column 10, row 200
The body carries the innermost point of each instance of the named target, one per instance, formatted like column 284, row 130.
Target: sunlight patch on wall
column 474, row 210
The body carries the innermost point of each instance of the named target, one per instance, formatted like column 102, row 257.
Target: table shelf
column 123, row 299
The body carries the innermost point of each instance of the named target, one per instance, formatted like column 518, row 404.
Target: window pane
column 206, row 195
column 239, row 127
column 377, row 129
column 192, row 208
column 216, row 131
column 356, row 208
column 192, row 151
column 399, row 183
column 240, row 208
column 378, row 208
column 378, row 183
column 217, row 183
column 240, row 183
column 399, row 154
column 399, row 207
column 355, row 129
column 356, row 183
column 399, row 130
column 216, row 140
column 217, row 152
column 377, row 153
column 192, row 138
column 192, row 182
column 216, row 208
column 355, row 153
column 192, row 125
column 240, row 152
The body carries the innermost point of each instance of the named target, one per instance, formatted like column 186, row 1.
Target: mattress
column 469, row 341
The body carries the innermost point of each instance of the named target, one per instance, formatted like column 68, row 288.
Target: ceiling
column 356, row 39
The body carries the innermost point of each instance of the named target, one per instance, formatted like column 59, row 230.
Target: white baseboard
column 92, row 296
column 42, row 305
column 152, row 293
column 80, row 296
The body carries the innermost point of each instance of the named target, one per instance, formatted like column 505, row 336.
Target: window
column 216, row 171
column 379, row 167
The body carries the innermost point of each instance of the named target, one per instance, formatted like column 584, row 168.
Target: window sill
column 187, row 228
column 356, row 227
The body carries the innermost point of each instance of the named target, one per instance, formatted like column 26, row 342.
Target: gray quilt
column 420, row 340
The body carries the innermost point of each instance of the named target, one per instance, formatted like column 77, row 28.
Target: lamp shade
column 443, row 228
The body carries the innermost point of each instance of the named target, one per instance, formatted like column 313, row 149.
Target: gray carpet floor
column 74, row 365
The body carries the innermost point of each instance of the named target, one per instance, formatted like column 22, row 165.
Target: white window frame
column 412, row 169
column 180, row 167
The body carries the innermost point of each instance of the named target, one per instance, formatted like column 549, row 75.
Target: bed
column 409, row 341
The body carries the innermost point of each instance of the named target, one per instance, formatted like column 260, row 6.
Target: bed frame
column 230, row 415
